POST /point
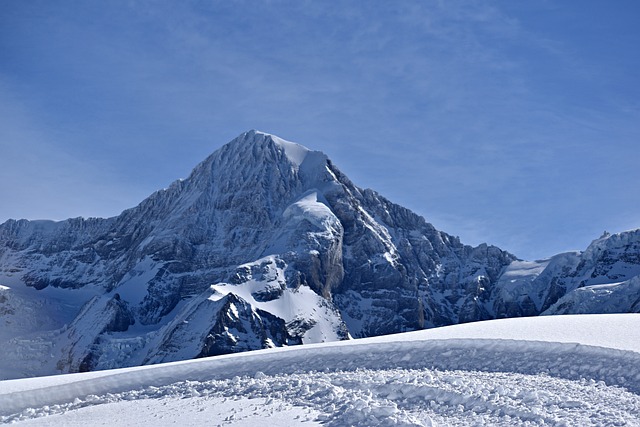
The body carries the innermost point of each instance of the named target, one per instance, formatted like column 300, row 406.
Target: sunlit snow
column 561, row 370
column 294, row 151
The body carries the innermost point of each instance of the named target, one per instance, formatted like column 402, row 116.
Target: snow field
column 400, row 380
column 363, row 397
column 175, row 410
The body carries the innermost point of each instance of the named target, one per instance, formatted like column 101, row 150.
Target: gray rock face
column 265, row 244
column 605, row 278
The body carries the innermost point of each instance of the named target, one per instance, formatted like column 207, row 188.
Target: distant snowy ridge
column 268, row 244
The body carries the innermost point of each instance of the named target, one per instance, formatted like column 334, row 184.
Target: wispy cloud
column 486, row 114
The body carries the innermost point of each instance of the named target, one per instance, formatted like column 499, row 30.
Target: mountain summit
column 266, row 244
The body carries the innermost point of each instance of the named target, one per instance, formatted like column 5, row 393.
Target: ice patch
column 311, row 206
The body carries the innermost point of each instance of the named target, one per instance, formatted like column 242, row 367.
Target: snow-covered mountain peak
column 295, row 152
column 268, row 148
column 610, row 241
column 254, row 169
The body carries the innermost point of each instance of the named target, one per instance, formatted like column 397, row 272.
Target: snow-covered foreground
column 564, row 370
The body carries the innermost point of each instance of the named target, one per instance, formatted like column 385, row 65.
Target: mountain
column 268, row 244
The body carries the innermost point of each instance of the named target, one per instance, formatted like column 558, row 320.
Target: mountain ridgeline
column 268, row 244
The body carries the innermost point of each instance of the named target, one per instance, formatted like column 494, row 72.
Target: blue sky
column 511, row 122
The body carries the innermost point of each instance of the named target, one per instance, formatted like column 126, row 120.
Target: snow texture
column 407, row 379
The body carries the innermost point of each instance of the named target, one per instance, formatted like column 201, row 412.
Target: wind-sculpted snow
column 369, row 397
column 405, row 379
column 89, row 294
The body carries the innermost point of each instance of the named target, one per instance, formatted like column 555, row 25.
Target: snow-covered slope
column 267, row 244
column 561, row 370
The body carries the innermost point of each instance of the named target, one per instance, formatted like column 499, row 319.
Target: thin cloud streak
column 468, row 110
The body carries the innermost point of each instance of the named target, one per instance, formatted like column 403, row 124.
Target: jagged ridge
column 266, row 243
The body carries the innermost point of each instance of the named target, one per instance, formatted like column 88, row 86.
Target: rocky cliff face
column 265, row 244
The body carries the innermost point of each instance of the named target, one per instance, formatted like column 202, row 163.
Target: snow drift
column 562, row 370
